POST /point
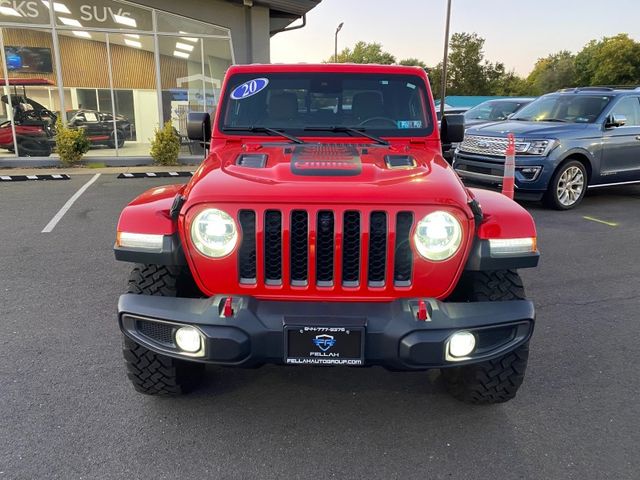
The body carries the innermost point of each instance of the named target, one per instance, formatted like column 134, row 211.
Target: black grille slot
column 351, row 249
column 247, row 252
column 299, row 247
column 273, row 247
column 324, row 248
column 159, row 332
column 252, row 160
column 400, row 161
column 403, row 255
column 377, row 249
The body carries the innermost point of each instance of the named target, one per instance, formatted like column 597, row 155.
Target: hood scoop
column 329, row 160
column 252, row 160
column 400, row 161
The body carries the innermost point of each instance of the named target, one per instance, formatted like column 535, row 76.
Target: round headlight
column 438, row 236
column 214, row 233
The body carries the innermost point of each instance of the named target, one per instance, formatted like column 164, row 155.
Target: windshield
column 391, row 105
column 494, row 110
column 564, row 108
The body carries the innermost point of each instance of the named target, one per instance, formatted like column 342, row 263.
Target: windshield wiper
column 520, row 119
column 254, row 129
column 553, row 120
column 344, row 128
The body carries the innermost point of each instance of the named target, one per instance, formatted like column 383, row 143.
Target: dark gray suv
column 566, row 142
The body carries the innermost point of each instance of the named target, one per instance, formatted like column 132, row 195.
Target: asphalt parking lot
column 67, row 410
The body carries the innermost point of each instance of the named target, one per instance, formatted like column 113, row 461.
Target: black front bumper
column 393, row 336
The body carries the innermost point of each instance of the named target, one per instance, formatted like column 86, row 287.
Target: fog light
column 461, row 344
column 188, row 339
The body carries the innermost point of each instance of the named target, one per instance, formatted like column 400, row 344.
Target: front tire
column 496, row 380
column 112, row 140
column 493, row 381
column 33, row 148
column 568, row 186
column 152, row 373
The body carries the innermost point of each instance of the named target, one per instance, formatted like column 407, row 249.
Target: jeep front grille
column 494, row 146
column 326, row 248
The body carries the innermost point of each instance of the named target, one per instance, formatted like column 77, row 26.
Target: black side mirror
column 452, row 129
column 199, row 127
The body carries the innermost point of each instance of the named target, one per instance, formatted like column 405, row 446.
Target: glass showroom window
column 100, row 66
column 192, row 67
column 30, row 100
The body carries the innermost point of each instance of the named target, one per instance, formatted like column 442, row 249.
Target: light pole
column 443, row 84
column 335, row 50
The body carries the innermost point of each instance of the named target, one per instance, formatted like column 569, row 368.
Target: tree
column 364, row 52
column 465, row 71
column 610, row 61
column 553, row 72
column 435, row 79
column 468, row 73
column 413, row 62
column 510, row 85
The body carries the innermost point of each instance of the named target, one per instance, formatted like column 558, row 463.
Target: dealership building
column 119, row 69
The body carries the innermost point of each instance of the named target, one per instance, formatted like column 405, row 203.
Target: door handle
column 637, row 137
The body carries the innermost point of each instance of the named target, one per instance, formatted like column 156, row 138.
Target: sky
column 517, row 32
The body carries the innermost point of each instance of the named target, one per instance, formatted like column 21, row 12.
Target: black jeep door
column 621, row 144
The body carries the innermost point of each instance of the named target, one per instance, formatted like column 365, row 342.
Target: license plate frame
column 330, row 345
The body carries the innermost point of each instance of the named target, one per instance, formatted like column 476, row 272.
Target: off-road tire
column 496, row 380
column 152, row 373
column 551, row 199
column 493, row 381
column 489, row 286
column 162, row 280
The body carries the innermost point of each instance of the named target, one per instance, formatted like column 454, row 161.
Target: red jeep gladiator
column 325, row 228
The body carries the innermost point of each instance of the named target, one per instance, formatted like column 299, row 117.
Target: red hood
column 326, row 173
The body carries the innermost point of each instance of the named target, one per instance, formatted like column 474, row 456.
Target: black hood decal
column 329, row 159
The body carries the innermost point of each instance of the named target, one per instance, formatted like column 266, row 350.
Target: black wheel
column 496, row 380
column 152, row 373
column 112, row 139
column 28, row 147
column 567, row 187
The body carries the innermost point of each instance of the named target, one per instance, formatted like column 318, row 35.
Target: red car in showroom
column 325, row 228
column 35, row 124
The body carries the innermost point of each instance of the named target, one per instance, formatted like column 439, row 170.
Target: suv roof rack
column 600, row 88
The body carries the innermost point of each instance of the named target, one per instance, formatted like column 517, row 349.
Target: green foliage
column 71, row 144
column 553, row 72
column 511, row 85
column 165, row 146
column 435, row 79
column 466, row 71
column 364, row 52
column 412, row 62
column 610, row 61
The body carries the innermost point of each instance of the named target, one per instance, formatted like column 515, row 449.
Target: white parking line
column 56, row 218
